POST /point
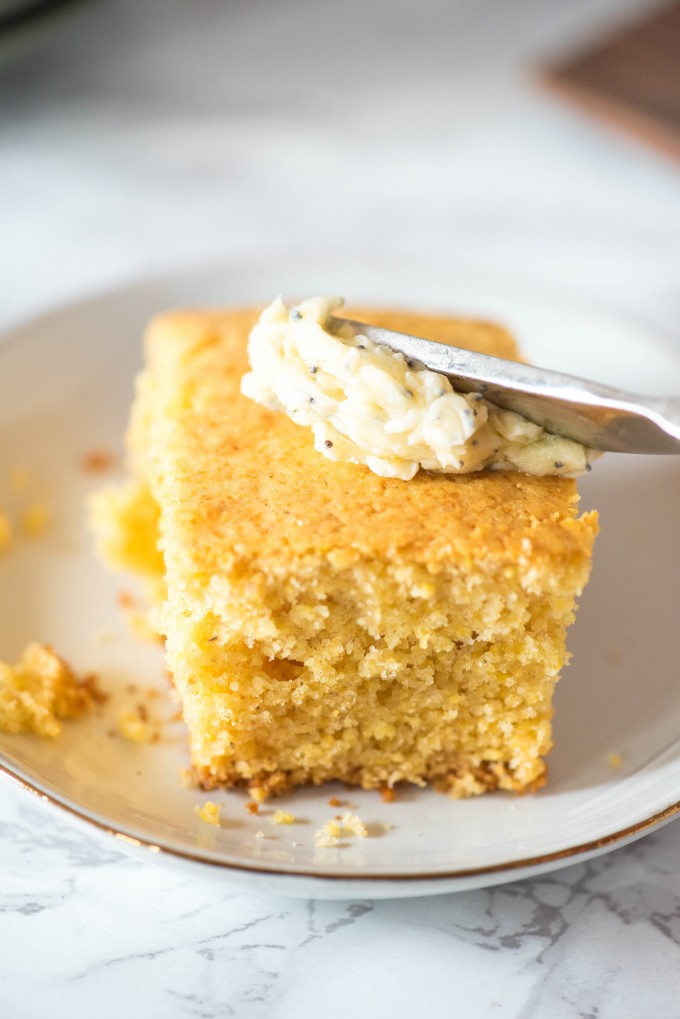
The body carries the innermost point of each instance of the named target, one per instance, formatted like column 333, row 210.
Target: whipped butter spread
column 368, row 404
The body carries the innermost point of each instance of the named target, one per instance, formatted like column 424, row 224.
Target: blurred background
column 143, row 135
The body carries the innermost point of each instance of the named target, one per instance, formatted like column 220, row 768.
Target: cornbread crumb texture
column 210, row 813
column 5, row 532
column 282, row 817
column 325, row 623
column 41, row 691
column 347, row 826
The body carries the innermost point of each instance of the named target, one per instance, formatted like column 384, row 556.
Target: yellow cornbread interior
column 325, row 623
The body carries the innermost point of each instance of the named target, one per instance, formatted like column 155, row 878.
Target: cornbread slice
column 322, row 622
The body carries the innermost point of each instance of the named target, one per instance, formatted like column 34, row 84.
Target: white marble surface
column 137, row 136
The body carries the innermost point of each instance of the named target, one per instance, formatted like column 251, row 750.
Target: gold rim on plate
column 655, row 820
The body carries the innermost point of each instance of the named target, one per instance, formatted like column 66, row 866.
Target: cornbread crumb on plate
column 41, row 691
column 321, row 622
column 210, row 813
column 133, row 728
column 137, row 726
column 282, row 817
column 5, row 532
column 98, row 461
column 335, row 802
column 615, row 760
column 347, row 826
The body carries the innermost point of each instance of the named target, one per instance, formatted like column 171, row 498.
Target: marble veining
column 141, row 136
column 599, row 939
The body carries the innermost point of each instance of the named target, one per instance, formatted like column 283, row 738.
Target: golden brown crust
column 253, row 482
column 457, row 776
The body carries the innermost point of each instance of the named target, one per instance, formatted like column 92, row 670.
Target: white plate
column 65, row 388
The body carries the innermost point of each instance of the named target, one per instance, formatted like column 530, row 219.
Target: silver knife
column 601, row 417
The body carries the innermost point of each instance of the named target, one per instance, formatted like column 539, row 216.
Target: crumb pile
column 322, row 622
column 41, row 691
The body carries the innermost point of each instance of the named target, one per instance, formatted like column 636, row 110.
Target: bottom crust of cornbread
column 458, row 777
column 322, row 623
